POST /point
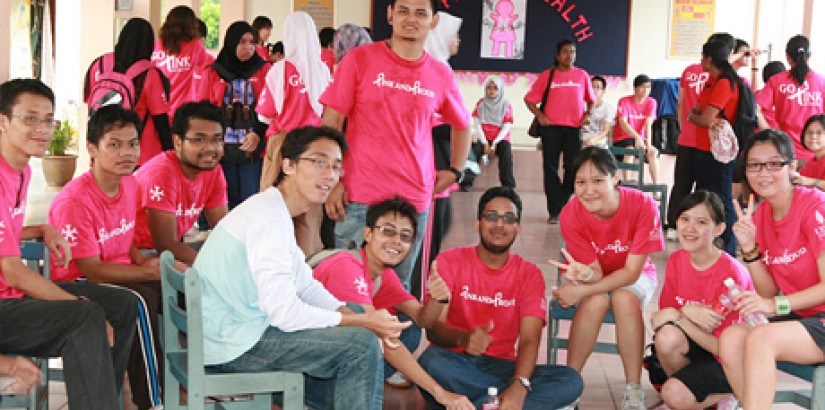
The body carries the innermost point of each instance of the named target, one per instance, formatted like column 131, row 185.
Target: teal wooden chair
column 813, row 398
column 638, row 166
column 183, row 346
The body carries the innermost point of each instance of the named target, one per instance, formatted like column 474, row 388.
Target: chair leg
column 294, row 391
column 818, row 389
column 552, row 335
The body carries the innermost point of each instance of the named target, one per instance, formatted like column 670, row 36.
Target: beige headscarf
column 439, row 39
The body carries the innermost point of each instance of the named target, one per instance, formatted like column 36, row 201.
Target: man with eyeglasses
column 366, row 277
column 177, row 185
column 37, row 316
column 490, row 334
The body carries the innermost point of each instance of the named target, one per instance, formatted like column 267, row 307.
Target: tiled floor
column 537, row 242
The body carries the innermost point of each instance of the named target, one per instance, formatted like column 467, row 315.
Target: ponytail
column 798, row 51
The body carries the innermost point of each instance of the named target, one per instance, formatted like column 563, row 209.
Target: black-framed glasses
column 32, row 121
column 772, row 166
column 493, row 216
column 201, row 141
column 323, row 164
column 390, row 232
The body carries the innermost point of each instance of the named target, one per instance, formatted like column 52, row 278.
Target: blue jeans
column 349, row 234
column 717, row 177
column 342, row 364
column 410, row 337
column 242, row 180
column 553, row 386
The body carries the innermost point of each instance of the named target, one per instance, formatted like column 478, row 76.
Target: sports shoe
column 485, row 160
column 672, row 235
column 634, row 397
column 398, row 380
column 728, row 403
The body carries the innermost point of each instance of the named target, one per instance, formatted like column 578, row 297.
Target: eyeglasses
column 32, row 121
column 390, row 231
column 201, row 141
column 493, row 216
column 322, row 164
column 769, row 165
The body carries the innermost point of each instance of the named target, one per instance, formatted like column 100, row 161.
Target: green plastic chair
column 183, row 346
column 638, row 166
column 813, row 398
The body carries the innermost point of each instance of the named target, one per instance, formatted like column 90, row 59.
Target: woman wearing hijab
column 493, row 118
column 234, row 83
column 135, row 43
column 289, row 101
column 347, row 37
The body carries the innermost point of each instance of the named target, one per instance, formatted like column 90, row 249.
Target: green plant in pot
column 58, row 165
column 64, row 139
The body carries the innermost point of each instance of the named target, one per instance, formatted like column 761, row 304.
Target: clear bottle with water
column 491, row 403
column 753, row 319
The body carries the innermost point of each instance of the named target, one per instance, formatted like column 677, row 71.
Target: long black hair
column 719, row 51
column 798, row 50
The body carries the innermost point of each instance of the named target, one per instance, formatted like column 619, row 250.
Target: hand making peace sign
column 745, row 229
column 575, row 272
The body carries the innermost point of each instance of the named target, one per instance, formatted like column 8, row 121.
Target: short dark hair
column 278, row 47
column 714, row 205
column 297, row 142
column 433, row 5
column 599, row 79
column 771, row 69
column 11, row 90
column 203, row 31
column 559, row 46
column 202, row 110
column 259, row 23
column 110, row 117
column 397, row 206
column 640, row 80
column 499, row 192
column 739, row 43
column 820, row 118
column 601, row 158
column 325, row 36
column 726, row 38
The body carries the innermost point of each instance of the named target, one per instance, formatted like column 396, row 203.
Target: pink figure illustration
column 503, row 31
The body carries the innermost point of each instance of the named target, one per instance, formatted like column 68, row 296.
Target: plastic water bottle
column 753, row 319
column 491, row 403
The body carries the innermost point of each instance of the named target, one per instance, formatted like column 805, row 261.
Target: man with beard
column 178, row 184
column 490, row 334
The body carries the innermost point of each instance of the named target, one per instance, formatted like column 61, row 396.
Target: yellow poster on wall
column 20, row 56
column 691, row 22
column 322, row 11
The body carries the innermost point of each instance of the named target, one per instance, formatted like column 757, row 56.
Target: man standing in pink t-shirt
column 490, row 334
column 388, row 92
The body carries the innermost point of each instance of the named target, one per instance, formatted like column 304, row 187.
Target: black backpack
column 746, row 120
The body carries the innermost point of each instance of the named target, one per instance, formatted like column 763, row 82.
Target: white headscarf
column 492, row 110
column 303, row 49
column 439, row 38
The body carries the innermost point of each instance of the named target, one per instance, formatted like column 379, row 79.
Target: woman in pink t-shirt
column 634, row 124
column 783, row 248
column 609, row 233
column 686, row 329
column 261, row 30
column 492, row 119
column 812, row 173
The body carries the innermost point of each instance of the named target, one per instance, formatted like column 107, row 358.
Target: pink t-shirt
column 14, row 187
column 794, row 104
column 348, row 279
column 164, row 187
column 480, row 295
column 263, row 52
column 635, row 229
column 568, row 94
column 93, row 223
column 296, row 112
column 180, row 69
column 791, row 246
column 814, row 168
column 635, row 114
column 681, row 279
column 491, row 130
column 692, row 82
column 389, row 103
column 328, row 57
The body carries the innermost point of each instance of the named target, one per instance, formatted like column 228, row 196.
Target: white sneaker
column 728, row 403
column 398, row 380
column 634, row 397
column 485, row 160
column 672, row 235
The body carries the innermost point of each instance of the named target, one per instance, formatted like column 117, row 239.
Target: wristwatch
column 524, row 382
column 459, row 176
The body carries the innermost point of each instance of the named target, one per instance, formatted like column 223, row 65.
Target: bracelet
column 754, row 69
column 443, row 301
column 676, row 323
column 749, row 254
column 783, row 305
column 752, row 259
column 590, row 274
column 83, row 298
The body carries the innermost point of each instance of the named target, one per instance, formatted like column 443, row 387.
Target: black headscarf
column 227, row 64
column 136, row 42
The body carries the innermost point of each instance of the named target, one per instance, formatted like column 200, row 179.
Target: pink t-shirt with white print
column 480, row 295
column 691, row 83
column 389, row 103
column 681, row 278
column 164, row 187
column 181, row 70
column 814, row 168
column 94, row 223
column 791, row 245
column 296, row 111
column 14, row 187
column 348, row 279
column 491, row 130
column 635, row 229
column 635, row 114
column 566, row 99
column 794, row 104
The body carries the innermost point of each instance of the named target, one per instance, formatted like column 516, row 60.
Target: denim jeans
column 342, row 364
column 242, row 180
column 553, row 386
column 717, row 177
column 349, row 234
column 410, row 337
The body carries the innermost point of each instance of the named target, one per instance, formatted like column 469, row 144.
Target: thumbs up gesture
column 479, row 339
column 436, row 286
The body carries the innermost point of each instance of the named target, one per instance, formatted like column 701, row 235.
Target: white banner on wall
column 502, row 29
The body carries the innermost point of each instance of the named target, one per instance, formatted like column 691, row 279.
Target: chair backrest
column 36, row 256
column 186, row 321
column 638, row 164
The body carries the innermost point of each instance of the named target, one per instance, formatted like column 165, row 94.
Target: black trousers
column 504, row 152
column 565, row 142
column 683, row 180
column 76, row 332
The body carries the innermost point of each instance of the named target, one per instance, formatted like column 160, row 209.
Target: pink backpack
column 112, row 87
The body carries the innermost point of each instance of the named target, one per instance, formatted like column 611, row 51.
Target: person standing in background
column 261, row 30
column 326, row 37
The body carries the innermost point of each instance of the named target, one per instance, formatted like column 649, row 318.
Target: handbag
column 533, row 131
